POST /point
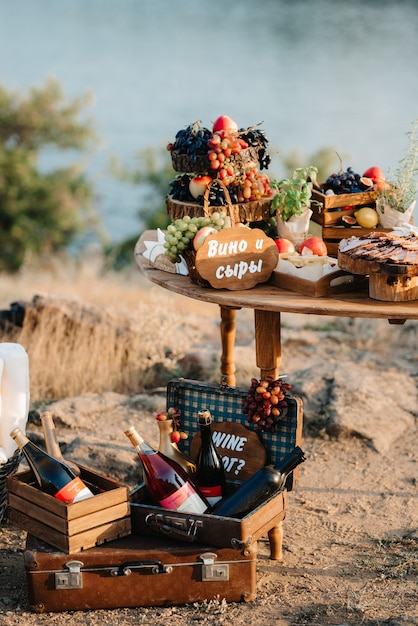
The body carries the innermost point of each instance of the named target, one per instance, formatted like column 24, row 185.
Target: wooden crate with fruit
column 345, row 205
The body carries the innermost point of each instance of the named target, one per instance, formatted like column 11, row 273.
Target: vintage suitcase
column 136, row 571
column 225, row 404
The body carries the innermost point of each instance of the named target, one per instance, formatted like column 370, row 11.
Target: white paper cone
column 296, row 228
column 14, row 395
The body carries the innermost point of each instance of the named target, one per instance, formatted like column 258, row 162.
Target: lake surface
column 318, row 73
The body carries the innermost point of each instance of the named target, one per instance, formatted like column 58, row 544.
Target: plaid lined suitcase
column 225, row 404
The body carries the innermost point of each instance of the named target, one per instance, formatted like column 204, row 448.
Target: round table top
column 267, row 297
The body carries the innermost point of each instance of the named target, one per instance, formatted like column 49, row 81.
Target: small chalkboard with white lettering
column 237, row 258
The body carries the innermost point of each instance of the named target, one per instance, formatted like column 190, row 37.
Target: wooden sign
column 240, row 448
column 237, row 258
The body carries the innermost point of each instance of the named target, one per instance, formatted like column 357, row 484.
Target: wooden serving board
column 390, row 282
column 333, row 282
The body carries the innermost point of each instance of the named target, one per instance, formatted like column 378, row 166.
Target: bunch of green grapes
column 181, row 232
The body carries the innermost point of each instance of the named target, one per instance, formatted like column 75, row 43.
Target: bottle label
column 212, row 494
column 74, row 491
column 185, row 500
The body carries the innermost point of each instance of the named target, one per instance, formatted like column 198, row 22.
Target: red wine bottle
column 266, row 482
column 210, row 473
column 52, row 475
column 167, row 482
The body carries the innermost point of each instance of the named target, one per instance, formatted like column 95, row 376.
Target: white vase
column 390, row 217
column 295, row 228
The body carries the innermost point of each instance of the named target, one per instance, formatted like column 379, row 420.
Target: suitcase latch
column 212, row 571
column 72, row 579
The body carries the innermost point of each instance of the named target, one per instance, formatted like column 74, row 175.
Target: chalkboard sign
column 241, row 450
column 237, row 258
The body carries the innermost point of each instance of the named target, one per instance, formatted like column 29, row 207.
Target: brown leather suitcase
column 136, row 571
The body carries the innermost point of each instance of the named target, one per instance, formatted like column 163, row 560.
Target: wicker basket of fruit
column 186, row 232
column 231, row 156
column 242, row 212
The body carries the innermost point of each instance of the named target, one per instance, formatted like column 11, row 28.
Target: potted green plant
column 292, row 203
column 396, row 198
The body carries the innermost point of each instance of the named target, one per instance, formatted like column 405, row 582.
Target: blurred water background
column 318, row 73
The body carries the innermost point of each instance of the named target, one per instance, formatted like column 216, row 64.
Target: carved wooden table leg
column 268, row 354
column 267, row 342
column 228, row 331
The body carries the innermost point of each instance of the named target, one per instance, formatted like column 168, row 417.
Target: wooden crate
column 70, row 527
column 330, row 210
column 332, row 283
column 332, row 235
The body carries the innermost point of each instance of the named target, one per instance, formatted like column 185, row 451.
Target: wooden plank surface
column 269, row 298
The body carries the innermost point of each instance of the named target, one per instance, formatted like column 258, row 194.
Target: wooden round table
column 268, row 303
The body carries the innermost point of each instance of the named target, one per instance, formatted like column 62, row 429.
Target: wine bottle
column 259, row 487
column 210, row 473
column 51, row 441
column 168, row 483
column 170, row 449
column 52, row 475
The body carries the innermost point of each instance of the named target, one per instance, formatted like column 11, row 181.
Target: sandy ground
column 350, row 547
column 350, row 534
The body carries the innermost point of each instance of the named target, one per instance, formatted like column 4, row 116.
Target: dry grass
column 116, row 331
column 94, row 332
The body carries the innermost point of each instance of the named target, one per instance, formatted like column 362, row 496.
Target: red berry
column 175, row 436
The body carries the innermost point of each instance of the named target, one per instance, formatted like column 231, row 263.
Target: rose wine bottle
column 51, row 441
column 267, row 481
column 168, row 483
column 52, row 475
column 169, row 448
column 210, row 473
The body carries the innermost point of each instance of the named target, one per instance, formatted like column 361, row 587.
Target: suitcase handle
column 125, row 569
column 158, row 522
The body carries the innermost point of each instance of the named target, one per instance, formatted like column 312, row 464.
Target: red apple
column 198, row 184
column 313, row 245
column 285, row 246
column 225, row 123
column 200, row 236
column 375, row 173
column 162, row 416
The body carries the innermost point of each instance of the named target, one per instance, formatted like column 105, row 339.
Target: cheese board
column 390, row 260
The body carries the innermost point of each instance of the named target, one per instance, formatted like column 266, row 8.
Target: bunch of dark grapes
column 345, row 182
column 257, row 139
column 266, row 403
column 216, row 196
column 192, row 140
column 180, row 189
